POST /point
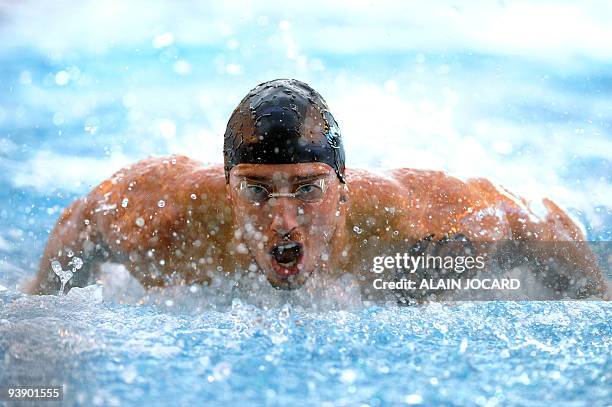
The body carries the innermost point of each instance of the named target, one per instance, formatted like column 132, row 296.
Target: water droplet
column 414, row 398
column 441, row 327
column 62, row 78
column 140, row 222
column 57, row 267
column 161, row 203
column 222, row 371
column 348, row 376
column 77, row 262
column 193, row 196
column 204, row 361
column 91, row 125
column 285, row 312
column 236, row 304
column 65, row 276
column 163, row 40
column 124, row 203
column 463, row 346
column 58, row 118
column 357, row 229
column 129, row 374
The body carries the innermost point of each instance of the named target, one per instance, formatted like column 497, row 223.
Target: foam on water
column 106, row 353
column 242, row 341
column 318, row 294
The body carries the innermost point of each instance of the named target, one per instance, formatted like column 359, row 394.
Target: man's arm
column 489, row 214
column 121, row 221
column 557, row 247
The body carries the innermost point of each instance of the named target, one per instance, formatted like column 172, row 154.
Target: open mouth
column 286, row 258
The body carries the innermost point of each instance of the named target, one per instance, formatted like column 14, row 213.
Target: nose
column 284, row 216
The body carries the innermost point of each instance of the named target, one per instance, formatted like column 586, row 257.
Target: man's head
column 284, row 166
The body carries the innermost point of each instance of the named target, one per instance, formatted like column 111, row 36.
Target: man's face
column 286, row 215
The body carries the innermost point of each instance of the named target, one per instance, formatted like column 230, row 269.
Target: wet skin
column 204, row 225
column 283, row 222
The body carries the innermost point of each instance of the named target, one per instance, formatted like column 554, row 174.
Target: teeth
column 287, row 254
column 287, row 246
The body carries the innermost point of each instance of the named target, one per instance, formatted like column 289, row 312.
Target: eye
column 256, row 189
column 309, row 193
column 306, row 188
column 255, row 193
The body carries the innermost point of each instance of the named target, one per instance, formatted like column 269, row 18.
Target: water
column 87, row 88
column 486, row 353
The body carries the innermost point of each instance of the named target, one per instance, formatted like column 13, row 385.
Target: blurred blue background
column 516, row 91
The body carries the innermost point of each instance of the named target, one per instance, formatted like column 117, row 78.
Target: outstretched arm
column 121, row 221
column 558, row 248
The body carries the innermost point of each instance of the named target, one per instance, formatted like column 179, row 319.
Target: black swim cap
column 283, row 121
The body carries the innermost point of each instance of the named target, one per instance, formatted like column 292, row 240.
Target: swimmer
column 284, row 205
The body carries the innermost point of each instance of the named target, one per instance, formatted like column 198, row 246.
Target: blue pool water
column 484, row 353
column 88, row 88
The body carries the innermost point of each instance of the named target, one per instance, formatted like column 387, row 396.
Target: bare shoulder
column 157, row 210
column 154, row 199
column 441, row 189
column 160, row 182
column 424, row 202
column 380, row 207
column 150, row 173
